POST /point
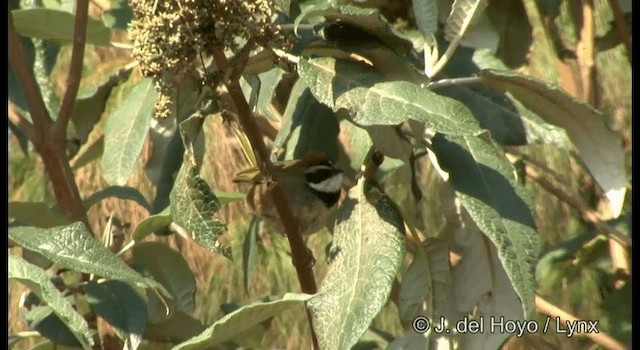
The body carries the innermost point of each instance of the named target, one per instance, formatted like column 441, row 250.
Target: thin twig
column 586, row 52
column 302, row 260
column 621, row 25
column 20, row 121
column 75, row 70
column 599, row 337
column 539, row 164
column 27, row 81
column 589, row 215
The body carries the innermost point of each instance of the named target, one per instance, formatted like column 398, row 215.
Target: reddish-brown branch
column 41, row 119
column 589, row 215
column 586, row 51
column 51, row 150
column 75, row 70
column 302, row 260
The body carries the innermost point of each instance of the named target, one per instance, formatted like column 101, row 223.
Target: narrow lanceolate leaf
column 39, row 282
column 57, row 26
column 121, row 192
column 250, row 252
column 370, row 100
column 427, row 280
column 121, row 306
column 74, row 248
column 426, row 13
column 193, row 206
column 486, row 184
column 368, row 248
column 599, row 147
column 125, row 132
column 240, row 321
column 463, row 14
column 481, row 288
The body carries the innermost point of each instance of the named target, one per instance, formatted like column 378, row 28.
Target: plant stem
column 41, row 119
column 302, row 260
column 589, row 215
column 586, row 52
column 52, row 151
column 75, row 70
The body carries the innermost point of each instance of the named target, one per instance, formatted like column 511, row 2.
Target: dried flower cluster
column 170, row 35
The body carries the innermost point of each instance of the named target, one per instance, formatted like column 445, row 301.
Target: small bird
column 312, row 186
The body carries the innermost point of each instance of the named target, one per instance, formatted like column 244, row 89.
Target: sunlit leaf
column 241, row 320
column 367, row 251
column 125, row 131
column 39, row 282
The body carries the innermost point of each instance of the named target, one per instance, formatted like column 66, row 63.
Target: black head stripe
column 319, row 173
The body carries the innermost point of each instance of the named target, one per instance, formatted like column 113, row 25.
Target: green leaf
column 74, row 248
column 121, row 192
column 125, row 132
column 486, row 184
column 368, row 20
column 481, row 289
column 57, row 26
column 427, row 280
column 599, row 147
column 229, row 197
column 242, row 320
column 193, row 203
column 463, row 14
column 121, row 306
column 250, row 251
column 509, row 121
column 368, row 249
column 169, row 268
column 91, row 102
column 177, row 329
column 312, row 126
column 268, row 82
column 87, row 153
column 151, row 224
column 426, row 13
column 616, row 305
column 119, row 15
column 38, row 281
column 372, row 101
column 37, row 214
column 43, row 320
column 193, row 206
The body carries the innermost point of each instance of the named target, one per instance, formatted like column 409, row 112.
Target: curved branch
column 75, row 70
column 600, row 338
column 41, row 119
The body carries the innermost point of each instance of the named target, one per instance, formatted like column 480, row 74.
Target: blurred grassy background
column 221, row 281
